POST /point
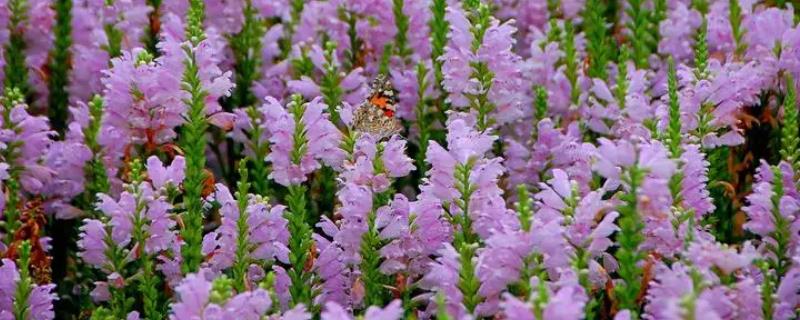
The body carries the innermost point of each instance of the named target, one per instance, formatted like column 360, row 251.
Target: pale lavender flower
column 418, row 13
column 766, row 30
column 153, row 211
column 143, row 101
column 542, row 68
column 274, row 73
column 90, row 41
column 760, row 205
column 352, row 84
column 361, row 169
column 731, row 87
column 706, row 254
column 787, row 295
column 568, row 301
column 321, row 17
column 392, row 311
column 677, row 32
column 93, row 243
column 672, row 286
column 413, row 240
column 376, row 35
column 694, row 186
column 513, row 308
column 193, row 302
column 746, row 297
column 467, row 146
column 32, row 137
column 444, row 277
column 720, row 35
column 499, row 264
column 67, row 159
column 356, row 203
column 162, row 176
column 528, row 14
column 496, row 52
column 40, row 299
column 405, row 81
column 322, row 141
column 267, row 233
column 207, row 55
column 336, row 277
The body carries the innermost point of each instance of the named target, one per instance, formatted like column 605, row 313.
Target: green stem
column 25, row 283
column 16, row 70
column 60, row 66
column 421, row 112
column 246, row 47
column 629, row 238
column 242, row 258
column 300, row 244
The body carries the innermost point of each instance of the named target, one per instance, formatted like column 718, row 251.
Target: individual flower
column 352, row 83
column 143, row 101
column 198, row 298
column 677, row 32
column 495, row 51
column 24, row 143
column 266, row 231
column 392, row 311
column 39, row 300
column 319, row 140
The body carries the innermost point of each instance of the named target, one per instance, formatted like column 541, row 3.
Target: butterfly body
column 376, row 115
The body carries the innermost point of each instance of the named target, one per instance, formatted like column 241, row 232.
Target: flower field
column 391, row 159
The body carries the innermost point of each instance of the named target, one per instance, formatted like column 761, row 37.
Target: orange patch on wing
column 379, row 101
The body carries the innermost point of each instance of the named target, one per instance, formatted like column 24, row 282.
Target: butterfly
column 376, row 115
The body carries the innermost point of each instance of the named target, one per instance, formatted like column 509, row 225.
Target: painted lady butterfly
column 376, row 115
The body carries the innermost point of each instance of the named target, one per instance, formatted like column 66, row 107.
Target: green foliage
column 353, row 51
column 330, row 83
column 540, row 103
column 95, row 170
column 114, row 36
column 701, row 50
column 629, row 238
column 621, row 90
column 422, row 115
column 151, row 37
column 260, row 170
column 193, row 142
column 246, row 47
column 401, row 22
column 58, row 108
column 300, row 241
column 571, row 60
column 790, row 142
column 16, row 70
column 148, row 280
column 735, row 17
column 639, row 26
column 598, row 41
column 241, row 259
column 300, row 244
column 12, row 98
column 439, row 28
column 767, row 290
column 524, row 207
column 673, row 139
column 782, row 233
column 466, row 241
column 24, row 284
